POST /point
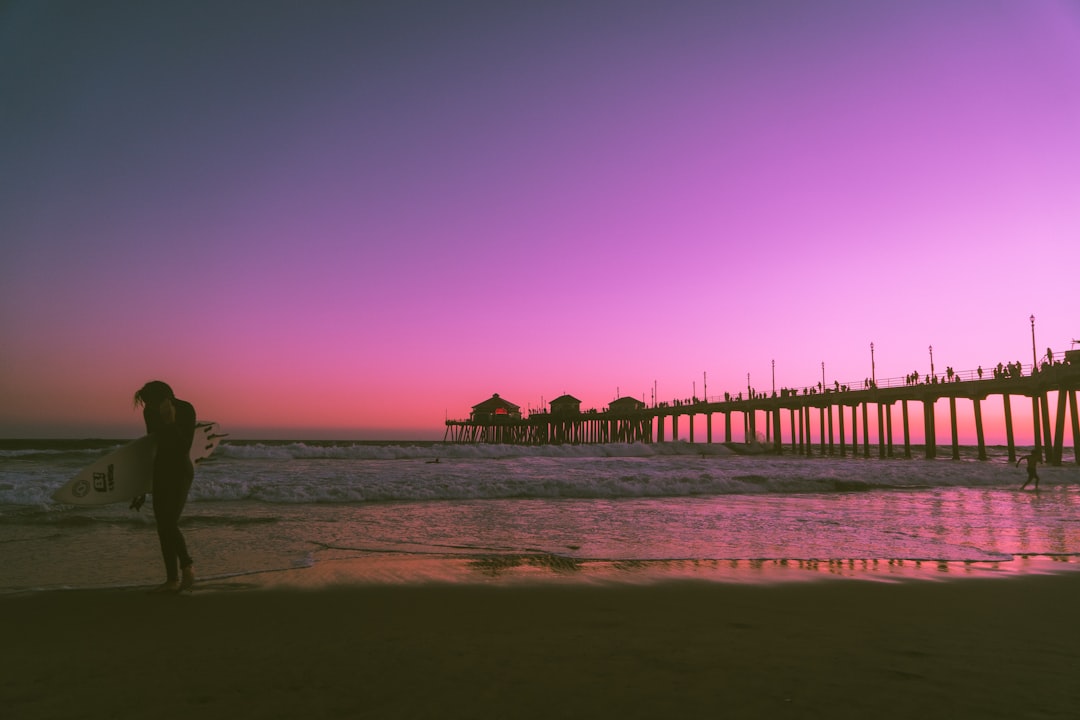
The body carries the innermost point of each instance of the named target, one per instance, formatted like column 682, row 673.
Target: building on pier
column 565, row 405
column 497, row 421
column 495, row 408
column 626, row 404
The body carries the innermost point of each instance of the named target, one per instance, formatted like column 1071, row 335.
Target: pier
column 835, row 421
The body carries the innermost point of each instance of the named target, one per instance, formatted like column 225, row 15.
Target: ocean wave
column 56, row 454
column 366, row 451
column 578, row 481
column 335, row 472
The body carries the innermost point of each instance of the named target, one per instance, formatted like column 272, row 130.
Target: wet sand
column 1004, row 647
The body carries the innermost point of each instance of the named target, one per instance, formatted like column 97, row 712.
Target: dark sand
column 968, row 648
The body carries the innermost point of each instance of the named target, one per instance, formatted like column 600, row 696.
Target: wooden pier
column 826, row 422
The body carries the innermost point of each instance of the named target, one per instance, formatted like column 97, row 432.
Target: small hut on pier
column 495, row 408
column 625, row 404
column 565, row 405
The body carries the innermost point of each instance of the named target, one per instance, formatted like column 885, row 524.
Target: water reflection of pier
column 825, row 422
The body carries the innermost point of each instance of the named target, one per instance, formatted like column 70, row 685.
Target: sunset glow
column 355, row 220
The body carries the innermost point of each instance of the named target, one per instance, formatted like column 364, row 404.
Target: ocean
column 427, row 511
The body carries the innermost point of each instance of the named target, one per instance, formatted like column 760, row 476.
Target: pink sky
column 351, row 220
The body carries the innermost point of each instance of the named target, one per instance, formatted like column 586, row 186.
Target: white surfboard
column 127, row 472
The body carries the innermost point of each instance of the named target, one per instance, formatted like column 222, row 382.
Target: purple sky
column 352, row 219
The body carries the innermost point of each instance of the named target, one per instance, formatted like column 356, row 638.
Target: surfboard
column 127, row 472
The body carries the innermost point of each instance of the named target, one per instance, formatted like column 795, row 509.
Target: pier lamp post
column 1034, row 360
column 932, row 375
column 873, row 370
column 774, row 378
column 822, row 376
column 749, row 392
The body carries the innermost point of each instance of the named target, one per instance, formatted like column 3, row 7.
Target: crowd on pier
column 1003, row 371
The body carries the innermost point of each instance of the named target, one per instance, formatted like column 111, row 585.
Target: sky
column 353, row 220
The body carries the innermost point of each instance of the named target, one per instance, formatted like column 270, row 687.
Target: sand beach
column 1004, row 647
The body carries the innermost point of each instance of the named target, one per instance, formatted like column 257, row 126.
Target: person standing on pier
column 1032, row 461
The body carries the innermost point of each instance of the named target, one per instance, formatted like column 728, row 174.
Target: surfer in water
column 1032, row 461
column 172, row 422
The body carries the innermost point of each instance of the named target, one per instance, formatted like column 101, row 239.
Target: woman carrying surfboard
column 172, row 422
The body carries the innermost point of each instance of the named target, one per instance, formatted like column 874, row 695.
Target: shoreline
column 344, row 570
column 837, row 648
column 542, row 569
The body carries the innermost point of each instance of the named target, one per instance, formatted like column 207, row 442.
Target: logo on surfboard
column 103, row 481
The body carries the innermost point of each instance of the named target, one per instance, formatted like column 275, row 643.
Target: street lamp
column 822, row 376
column 774, row 378
column 873, row 371
column 749, row 392
column 1034, row 360
column 932, row 375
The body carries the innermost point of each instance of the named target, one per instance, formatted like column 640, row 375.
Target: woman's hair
column 153, row 392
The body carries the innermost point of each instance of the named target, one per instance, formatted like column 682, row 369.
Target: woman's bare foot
column 168, row 587
column 188, row 578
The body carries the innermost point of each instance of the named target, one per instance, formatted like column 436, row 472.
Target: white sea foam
column 305, row 473
column 367, row 451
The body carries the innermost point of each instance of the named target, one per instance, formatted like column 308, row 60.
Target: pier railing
column 868, row 384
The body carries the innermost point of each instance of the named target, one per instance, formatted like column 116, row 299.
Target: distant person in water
column 1032, row 461
column 172, row 422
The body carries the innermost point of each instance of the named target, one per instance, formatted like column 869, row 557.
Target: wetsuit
column 173, row 473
